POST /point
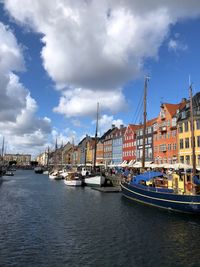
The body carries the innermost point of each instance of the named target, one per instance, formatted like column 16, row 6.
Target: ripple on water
column 45, row 223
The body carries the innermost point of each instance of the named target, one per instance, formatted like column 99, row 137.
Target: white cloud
column 176, row 45
column 23, row 131
column 63, row 137
column 106, row 122
column 83, row 102
column 98, row 45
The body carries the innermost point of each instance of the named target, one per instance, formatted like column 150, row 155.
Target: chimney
column 113, row 126
column 184, row 100
column 121, row 126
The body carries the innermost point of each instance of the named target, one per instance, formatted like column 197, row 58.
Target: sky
column 58, row 58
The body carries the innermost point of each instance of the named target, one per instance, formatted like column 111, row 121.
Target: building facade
column 100, row 158
column 184, row 132
column 148, row 141
column 129, row 143
column 107, row 145
column 117, row 145
column 21, row 159
column 165, row 134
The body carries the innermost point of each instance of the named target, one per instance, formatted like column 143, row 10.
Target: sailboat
column 180, row 193
column 94, row 179
column 55, row 174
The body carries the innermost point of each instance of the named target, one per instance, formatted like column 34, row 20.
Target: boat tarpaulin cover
column 146, row 176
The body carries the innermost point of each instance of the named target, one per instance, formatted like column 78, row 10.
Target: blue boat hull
column 170, row 201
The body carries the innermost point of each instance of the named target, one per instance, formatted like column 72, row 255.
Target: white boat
column 73, row 179
column 64, row 173
column 95, row 180
column 55, row 175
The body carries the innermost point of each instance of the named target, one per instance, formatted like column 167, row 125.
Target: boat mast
column 48, row 158
column 2, row 150
column 144, row 122
column 95, row 142
column 192, row 134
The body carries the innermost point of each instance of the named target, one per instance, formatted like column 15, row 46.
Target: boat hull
column 73, row 182
column 169, row 201
column 55, row 176
column 97, row 180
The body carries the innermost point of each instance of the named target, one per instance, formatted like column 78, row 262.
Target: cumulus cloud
column 83, row 102
column 106, row 122
column 98, row 45
column 64, row 136
column 23, row 131
column 176, row 45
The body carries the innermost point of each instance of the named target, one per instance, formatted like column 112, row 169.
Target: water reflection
column 45, row 223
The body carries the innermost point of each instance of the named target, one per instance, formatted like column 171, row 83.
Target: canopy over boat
column 146, row 176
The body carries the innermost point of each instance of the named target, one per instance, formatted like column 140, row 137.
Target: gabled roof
column 172, row 108
column 151, row 122
column 107, row 133
column 148, row 123
column 133, row 127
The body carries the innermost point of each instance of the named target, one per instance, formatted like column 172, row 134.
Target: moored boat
column 38, row 170
column 154, row 189
column 55, row 175
column 94, row 180
column 9, row 173
column 73, row 179
column 180, row 193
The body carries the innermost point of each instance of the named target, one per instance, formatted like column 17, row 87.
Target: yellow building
column 184, row 132
column 90, row 151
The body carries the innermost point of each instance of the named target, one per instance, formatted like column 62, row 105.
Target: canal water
column 46, row 223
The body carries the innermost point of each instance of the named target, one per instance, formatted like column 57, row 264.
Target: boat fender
column 189, row 186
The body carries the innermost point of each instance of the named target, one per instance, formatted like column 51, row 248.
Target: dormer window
column 162, row 113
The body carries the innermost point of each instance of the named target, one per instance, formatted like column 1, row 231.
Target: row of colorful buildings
column 167, row 140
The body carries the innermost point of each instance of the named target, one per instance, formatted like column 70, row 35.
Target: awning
column 147, row 176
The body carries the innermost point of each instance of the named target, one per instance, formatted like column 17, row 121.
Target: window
column 169, row 146
column 198, row 160
column 174, row 133
column 155, row 127
column 149, row 130
column 186, row 126
column 187, row 143
column 173, row 122
column 198, row 141
column 194, row 142
column 174, row 146
column 180, row 128
column 181, row 144
column 149, row 140
column 198, row 124
column 150, row 152
column 181, row 159
column 187, row 159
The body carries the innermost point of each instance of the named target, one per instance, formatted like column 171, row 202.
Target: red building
column 165, row 134
column 129, row 143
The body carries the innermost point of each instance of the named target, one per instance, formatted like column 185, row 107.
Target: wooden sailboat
column 95, row 179
column 55, row 174
column 155, row 189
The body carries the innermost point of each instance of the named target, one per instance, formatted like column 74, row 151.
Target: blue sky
column 76, row 54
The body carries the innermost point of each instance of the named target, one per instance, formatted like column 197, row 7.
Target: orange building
column 99, row 158
column 165, row 134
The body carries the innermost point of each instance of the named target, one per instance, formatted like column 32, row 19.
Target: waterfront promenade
column 45, row 223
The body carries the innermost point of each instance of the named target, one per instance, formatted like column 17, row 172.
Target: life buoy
column 189, row 186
